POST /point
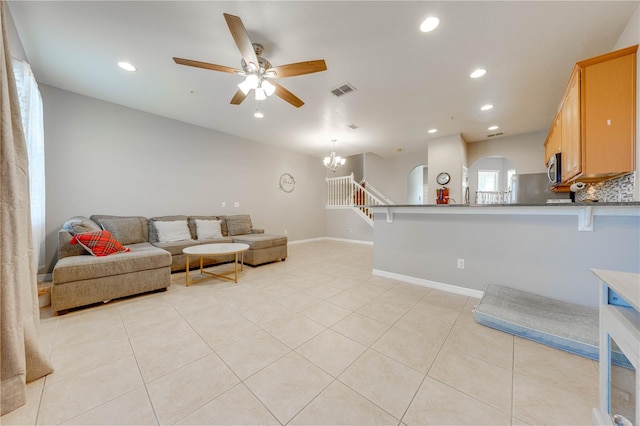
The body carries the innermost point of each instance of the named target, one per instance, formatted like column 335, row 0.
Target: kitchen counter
column 546, row 249
column 584, row 211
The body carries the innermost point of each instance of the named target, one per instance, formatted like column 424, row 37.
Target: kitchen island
column 547, row 249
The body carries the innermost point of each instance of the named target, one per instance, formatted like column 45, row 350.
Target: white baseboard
column 342, row 240
column 428, row 283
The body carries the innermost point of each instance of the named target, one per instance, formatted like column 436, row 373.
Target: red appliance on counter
column 442, row 195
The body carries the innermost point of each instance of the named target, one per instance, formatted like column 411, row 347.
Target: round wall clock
column 287, row 182
column 443, row 178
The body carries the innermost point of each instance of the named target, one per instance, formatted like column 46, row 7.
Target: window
column 510, row 174
column 488, row 180
column 33, row 126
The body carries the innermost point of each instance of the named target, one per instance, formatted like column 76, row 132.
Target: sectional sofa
column 81, row 279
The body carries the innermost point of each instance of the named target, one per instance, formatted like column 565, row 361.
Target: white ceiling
column 407, row 81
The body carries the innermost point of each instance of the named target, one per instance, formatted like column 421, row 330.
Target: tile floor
column 314, row 340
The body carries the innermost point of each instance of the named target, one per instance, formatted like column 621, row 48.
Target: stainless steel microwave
column 554, row 169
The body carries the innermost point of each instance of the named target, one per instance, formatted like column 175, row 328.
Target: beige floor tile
column 360, row 328
column 153, row 335
column 132, row 408
column 87, row 325
column 287, row 385
column 66, row 399
column 222, row 328
column 536, row 402
column 72, row 359
column 331, row 351
column 421, row 323
column 237, row 406
column 266, row 313
column 439, row 404
column 345, row 282
column 410, row 349
column 388, row 383
column 385, row 313
column 570, row 372
column 298, row 301
column 252, row 353
column 479, row 379
column 445, row 299
column 325, row 313
column 349, row 300
column 295, row 331
column 482, row 342
column 425, row 308
column 340, row 405
column 323, row 291
column 166, row 356
column 178, row 394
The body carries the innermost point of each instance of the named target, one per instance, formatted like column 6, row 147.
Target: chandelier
column 332, row 162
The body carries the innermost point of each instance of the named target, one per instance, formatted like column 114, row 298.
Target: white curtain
column 33, row 125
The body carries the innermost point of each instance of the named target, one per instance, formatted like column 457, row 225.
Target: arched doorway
column 417, row 185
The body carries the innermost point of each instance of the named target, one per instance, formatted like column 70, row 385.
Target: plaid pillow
column 99, row 243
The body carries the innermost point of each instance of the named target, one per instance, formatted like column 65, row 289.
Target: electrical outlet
column 460, row 263
column 348, row 229
column 236, row 204
column 224, row 204
column 285, row 232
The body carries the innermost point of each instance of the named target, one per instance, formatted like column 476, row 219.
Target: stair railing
column 345, row 192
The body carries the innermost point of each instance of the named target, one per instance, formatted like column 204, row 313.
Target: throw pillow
column 99, row 243
column 239, row 224
column 207, row 229
column 173, row 230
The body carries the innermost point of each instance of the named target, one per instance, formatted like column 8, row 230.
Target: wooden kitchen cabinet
column 570, row 143
column 609, row 113
column 594, row 128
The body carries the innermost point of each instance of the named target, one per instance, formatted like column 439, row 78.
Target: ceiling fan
column 258, row 71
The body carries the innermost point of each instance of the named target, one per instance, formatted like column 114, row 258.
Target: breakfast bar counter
column 547, row 249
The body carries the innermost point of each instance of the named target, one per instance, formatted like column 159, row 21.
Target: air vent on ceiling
column 495, row 134
column 343, row 89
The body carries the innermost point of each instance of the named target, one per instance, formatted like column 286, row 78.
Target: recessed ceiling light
column 429, row 24
column 258, row 114
column 478, row 73
column 486, row 107
column 126, row 66
column 432, row 130
column 493, row 128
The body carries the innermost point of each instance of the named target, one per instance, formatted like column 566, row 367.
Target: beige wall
column 525, row 151
column 629, row 37
column 103, row 158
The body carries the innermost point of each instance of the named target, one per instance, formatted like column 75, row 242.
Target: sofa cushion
column 153, row 231
column 99, row 243
column 175, row 248
column 261, row 241
column 126, row 229
column 223, row 224
column 172, row 230
column 208, row 229
column 239, row 224
column 80, row 224
column 143, row 256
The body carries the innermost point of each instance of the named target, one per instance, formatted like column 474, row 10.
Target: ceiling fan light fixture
column 251, row 82
column 260, row 95
column 269, row 88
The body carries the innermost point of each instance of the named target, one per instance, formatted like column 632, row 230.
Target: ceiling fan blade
column 205, row 65
column 299, row 68
column 287, row 95
column 241, row 37
column 238, row 97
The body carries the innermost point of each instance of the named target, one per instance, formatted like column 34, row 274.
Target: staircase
column 345, row 193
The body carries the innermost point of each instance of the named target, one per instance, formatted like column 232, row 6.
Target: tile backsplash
column 617, row 189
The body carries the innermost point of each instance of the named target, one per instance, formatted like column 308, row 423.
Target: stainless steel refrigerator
column 533, row 188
